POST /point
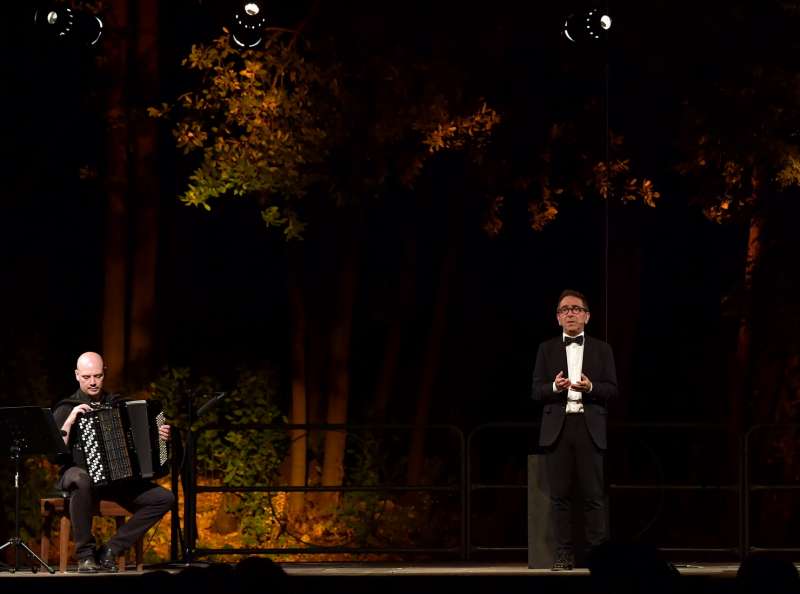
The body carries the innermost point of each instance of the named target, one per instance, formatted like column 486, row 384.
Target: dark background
column 657, row 280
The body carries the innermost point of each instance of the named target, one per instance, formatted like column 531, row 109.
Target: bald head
column 89, row 371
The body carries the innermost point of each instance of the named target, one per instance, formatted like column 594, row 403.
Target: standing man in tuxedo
column 574, row 378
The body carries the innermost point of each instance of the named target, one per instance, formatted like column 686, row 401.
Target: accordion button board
column 121, row 442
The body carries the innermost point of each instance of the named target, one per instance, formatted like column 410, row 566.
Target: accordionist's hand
column 163, row 432
column 73, row 415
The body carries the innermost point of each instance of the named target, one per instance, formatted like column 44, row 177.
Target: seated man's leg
column 147, row 501
column 81, row 503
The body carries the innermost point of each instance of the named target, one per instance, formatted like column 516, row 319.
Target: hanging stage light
column 248, row 25
column 64, row 24
column 592, row 25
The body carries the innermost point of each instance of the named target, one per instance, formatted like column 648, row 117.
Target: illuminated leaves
column 542, row 212
column 292, row 226
column 446, row 132
column 279, row 124
column 252, row 121
column 740, row 141
column 609, row 176
column 648, row 193
column 732, row 175
column 493, row 223
column 789, row 172
column 568, row 169
column 189, row 136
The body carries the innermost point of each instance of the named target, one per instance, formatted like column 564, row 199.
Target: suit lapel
column 561, row 357
column 588, row 357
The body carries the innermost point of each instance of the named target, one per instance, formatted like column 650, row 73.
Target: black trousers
column 146, row 500
column 576, row 455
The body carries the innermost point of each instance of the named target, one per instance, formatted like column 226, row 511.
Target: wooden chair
column 51, row 507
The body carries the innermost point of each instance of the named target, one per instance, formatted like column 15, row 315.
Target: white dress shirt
column 574, row 369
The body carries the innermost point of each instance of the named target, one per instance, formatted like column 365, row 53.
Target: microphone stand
column 190, row 478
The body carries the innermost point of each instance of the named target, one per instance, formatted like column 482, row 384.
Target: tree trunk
column 146, row 195
column 339, row 389
column 116, row 237
column 431, row 363
column 298, row 415
column 317, row 353
column 316, row 366
column 740, row 377
column 624, row 301
column 387, row 376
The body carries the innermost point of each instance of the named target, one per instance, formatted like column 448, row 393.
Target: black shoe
column 106, row 559
column 87, row 565
column 563, row 562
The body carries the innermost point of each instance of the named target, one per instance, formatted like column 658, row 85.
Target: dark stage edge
column 383, row 579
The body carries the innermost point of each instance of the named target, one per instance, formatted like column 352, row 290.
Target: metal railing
column 472, row 487
column 190, row 500
column 740, row 487
column 716, row 487
column 465, row 488
column 749, row 487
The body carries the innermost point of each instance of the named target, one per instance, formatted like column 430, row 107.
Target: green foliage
column 380, row 519
column 287, row 120
column 233, row 456
column 175, row 387
column 255, row 125
column 228, row 453
column 362, row 511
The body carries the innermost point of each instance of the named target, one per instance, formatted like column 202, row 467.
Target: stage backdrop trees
column 302, row 125
column 741, row 157
column 741, row 152
column 130, row 175
column 311, row 120
column 145, row 196
column 117, row 209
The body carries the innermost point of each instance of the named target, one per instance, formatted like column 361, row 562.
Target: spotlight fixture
column 592, row 25
column 63, row 24
column 248, row 24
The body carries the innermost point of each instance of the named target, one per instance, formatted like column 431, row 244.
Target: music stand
column 27, row 431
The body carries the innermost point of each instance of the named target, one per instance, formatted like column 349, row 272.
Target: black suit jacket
column 598, row 366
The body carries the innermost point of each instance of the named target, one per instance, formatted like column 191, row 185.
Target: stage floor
column 471, row 569
column 388, row 570
column 357, row 578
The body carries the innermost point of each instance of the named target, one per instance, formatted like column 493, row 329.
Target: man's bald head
column 90, row 371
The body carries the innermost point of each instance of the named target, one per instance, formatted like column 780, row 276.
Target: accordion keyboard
column 103, row 437
column 163, row 452
column 94, row 457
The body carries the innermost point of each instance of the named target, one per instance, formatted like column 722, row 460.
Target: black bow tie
column 568, row 340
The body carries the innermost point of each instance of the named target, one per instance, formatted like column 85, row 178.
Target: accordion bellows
column 121, row 442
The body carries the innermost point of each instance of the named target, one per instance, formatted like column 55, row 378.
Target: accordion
column 121, row 442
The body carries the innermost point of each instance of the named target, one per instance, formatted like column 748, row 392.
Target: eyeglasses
column 576, row 309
